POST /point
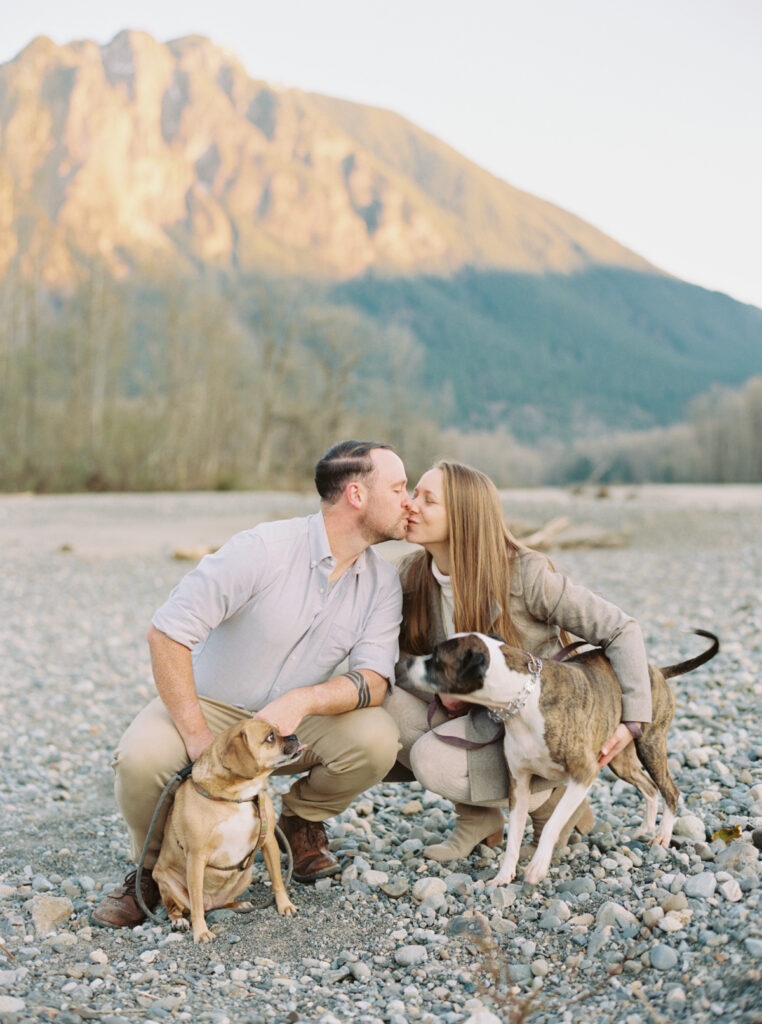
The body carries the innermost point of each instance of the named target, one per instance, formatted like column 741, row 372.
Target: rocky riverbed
column 618, row 931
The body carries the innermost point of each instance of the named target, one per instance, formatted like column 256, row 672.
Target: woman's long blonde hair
column 482, row 554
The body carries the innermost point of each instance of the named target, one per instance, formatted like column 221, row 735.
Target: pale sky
column 644, row 117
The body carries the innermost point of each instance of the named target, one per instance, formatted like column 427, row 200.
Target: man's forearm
column 334, row 697
column 173, row 674
column 348, row 692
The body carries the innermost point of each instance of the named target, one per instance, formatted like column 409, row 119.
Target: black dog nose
column 293, row 738
column 409, row 662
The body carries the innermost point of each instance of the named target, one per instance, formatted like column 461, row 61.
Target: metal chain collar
column 504, row 714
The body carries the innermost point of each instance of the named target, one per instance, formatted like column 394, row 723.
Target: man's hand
column 621, row 737
column 197, row 743
column 287, row 711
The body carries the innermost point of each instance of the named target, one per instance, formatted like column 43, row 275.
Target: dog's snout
column 290, row 744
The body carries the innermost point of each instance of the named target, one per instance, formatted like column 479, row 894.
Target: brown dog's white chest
column 524, row 745
column 234, row 837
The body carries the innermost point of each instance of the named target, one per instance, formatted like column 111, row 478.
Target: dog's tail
column 701, row 659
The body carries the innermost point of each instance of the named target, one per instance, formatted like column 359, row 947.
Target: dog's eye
column 270, row 738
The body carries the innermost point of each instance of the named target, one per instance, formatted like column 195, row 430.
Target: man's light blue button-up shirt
column 261, row 617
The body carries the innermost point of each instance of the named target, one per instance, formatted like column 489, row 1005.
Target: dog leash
column 456, row 741
column 170, row 787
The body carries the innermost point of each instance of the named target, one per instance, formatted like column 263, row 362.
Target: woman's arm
column 552, row 598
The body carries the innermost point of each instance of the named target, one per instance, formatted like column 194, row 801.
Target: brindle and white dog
column 557, row 716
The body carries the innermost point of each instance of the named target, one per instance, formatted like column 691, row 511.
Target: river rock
column 690, row 826
column 409, row 956
column 11, row 1004
column 612, row 913
column 426, row 887
column 737, row 856
column 700, row 886
column 663, row 958
column 48, row 912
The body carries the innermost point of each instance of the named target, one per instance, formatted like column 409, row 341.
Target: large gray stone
column 737, row 856
column 11, row 1004
column 690, row 826
column 663, row 958
column 612, row 913
column 426, row 887
column 700, row 886
column 409, row 956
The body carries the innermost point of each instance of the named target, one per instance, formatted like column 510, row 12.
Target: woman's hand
column 616, row 743
column 453, row 705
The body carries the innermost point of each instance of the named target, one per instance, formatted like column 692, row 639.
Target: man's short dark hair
column 345, row 461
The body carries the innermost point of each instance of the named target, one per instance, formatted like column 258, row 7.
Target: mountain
column 139, row 149
column 145, row 156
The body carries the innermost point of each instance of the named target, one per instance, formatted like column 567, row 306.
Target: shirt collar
column 320, row 549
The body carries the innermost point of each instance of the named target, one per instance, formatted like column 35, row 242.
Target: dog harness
column 263, row 827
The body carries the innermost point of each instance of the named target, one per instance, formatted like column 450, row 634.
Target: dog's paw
column 180, row 924
column 535, row 872
column 204, row 936
column 502, row 878
column 659, row 840
column 287, row 909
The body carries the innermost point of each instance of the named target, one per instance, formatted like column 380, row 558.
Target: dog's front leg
column 195, row 865
column 516, row 822
column 271, row 855
column 573, row 796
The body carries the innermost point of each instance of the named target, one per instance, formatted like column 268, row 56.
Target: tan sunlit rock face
column 139, row 151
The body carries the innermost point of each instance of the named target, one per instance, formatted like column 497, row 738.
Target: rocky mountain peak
column 140, row 150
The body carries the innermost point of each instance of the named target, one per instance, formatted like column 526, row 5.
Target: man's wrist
column 635, row 728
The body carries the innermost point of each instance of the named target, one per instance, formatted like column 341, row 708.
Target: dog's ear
column 238, row 756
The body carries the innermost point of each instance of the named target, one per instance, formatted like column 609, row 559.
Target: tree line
column 172, row 383
column 193, row 383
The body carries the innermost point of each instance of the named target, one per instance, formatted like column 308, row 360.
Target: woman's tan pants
column 345, row 755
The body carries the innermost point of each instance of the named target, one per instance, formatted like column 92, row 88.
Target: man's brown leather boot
column 309, row 848
column 120, row 908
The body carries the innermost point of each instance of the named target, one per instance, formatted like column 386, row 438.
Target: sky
column 641, row 116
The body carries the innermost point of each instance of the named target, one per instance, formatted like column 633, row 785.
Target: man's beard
column 375, row 533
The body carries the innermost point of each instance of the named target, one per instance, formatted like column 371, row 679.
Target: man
column 261, row 627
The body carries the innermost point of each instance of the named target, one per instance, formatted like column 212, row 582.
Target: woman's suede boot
column 582, row 819
column 473, row 825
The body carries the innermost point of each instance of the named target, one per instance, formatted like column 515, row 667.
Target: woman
column 472, row 575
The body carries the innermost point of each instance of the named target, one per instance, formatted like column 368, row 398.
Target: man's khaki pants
column 345, row 755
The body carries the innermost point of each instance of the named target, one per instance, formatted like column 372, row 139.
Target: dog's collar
column 225, row 799
column 504, row 714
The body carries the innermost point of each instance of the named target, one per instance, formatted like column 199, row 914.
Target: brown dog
column 556, row 717
column 220, row 817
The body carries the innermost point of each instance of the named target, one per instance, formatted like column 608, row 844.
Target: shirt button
column 322, row 590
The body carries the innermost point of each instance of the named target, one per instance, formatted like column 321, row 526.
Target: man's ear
column 355, row 494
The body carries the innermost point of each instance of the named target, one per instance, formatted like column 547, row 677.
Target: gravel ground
column 618, row 931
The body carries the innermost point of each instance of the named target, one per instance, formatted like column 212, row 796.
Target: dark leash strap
column 456, row 741
column 564, row 653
